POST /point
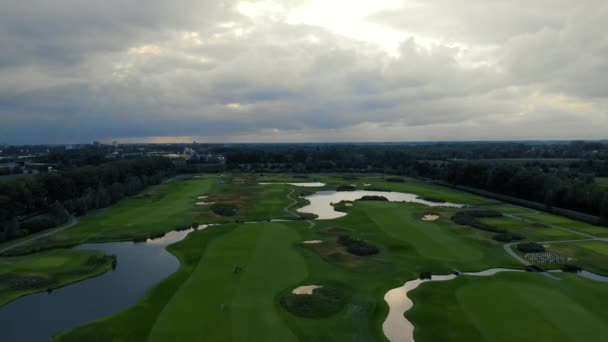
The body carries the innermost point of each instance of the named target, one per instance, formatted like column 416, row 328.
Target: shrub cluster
column 372, row 198
column 324, row 301
column 465, row 218
column 572, row 268
column 345, row 188
column 530, row 247
column 426, row 275
column 224, row 209
column 507, row 237
column 356, row 246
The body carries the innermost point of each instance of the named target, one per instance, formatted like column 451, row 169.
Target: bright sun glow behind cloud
column 342, row 17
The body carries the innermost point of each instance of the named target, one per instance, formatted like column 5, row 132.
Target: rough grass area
column 591, row 256
column 325, row 301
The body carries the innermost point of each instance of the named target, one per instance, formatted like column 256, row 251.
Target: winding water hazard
column 396, row 327
column 321, row 202
column 140, row 266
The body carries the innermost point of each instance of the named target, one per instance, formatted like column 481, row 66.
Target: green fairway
column 568, row 223
column 169, row 206
column 510, row 307
column 28, row 274
column 531, row 231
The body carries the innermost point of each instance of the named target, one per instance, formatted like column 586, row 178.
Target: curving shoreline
column 396, row 327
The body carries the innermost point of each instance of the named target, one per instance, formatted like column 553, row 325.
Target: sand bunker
column 202, row 197
column 306, row 289
column 367, row 184
column 312, row 242
column 430, row 217
column 204, row 203
column 348, row 204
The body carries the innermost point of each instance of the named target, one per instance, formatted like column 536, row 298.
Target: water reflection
column 140, row 266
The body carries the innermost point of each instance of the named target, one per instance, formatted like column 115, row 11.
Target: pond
column 320, row 202
column 140, row 266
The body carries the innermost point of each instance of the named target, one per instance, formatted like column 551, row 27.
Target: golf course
column 257, row 261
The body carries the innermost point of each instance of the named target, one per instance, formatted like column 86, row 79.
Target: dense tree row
column 25, row 203
column 565, row 181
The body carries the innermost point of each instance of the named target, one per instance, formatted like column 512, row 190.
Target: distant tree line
column 565, row 180
column 30, row 204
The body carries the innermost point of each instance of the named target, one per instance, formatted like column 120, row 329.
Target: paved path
column 509, row 250
column 288, row 211
column 73, row 221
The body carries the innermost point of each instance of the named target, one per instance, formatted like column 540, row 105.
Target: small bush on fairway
column 507, row 237
column 356, row 246
column 224, row 209
column 345, row 188
column 431, row 199
column 572, row 268
column 530, row 247
column 426, row 275
column 323, row 302
column 372, row 198
column 467, row 219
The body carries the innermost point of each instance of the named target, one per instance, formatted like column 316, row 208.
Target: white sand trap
column 367, row 184
column 204, row 203
column 312, row 242
column 202, row 197
column 348, row 204
column 430, row 217
column 306, row 289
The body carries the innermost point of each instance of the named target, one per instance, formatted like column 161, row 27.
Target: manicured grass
column 206, row 299
column 591, row 256
column 531, row 232
column 568, row 223
column 219, row 303
column 29, row 274
column 169, row 206
column 510, row 307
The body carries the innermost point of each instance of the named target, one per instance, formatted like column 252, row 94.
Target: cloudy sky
column 296, row 71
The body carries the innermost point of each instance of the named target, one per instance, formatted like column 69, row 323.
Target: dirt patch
column 305, row 289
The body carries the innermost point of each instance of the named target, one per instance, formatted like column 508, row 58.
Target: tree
column 604, row 210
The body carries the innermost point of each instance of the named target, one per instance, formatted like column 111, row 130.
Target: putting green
column 29, row 274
